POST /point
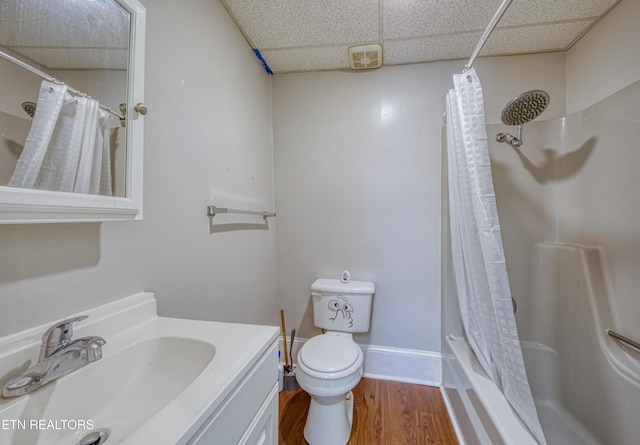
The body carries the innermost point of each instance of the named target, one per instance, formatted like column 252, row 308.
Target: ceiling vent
column 365, row 57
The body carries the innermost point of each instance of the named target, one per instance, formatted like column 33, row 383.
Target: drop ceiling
column 314, row 35
column 72, row 34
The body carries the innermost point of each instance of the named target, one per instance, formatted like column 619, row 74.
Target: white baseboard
column 402, row 365
column 397, row 364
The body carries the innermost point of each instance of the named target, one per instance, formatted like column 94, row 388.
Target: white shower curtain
column 480, row 272
column 68, row 146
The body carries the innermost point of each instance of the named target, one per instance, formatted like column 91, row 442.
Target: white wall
column 358, row 183
column 207, row 140
column 606, row 59
column 357, row 188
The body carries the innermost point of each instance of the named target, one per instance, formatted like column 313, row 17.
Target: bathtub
column 586, row 386
column 483, row 416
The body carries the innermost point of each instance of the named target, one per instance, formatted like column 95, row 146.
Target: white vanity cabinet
column 249, row 415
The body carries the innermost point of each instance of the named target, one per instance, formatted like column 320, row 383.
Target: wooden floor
column 385, row 413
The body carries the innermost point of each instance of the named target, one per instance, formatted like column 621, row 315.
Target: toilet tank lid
column 352, row 287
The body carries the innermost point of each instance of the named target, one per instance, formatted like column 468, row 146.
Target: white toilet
column 330, row 365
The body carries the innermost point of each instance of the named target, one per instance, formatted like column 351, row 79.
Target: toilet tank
column 344, row 307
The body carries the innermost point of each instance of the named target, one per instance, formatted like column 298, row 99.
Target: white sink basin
column 158, row 380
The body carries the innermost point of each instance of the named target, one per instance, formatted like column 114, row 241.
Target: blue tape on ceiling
column 264, row 62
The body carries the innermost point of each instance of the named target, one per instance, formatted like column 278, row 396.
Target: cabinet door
column 264, row 428
column 230, row 423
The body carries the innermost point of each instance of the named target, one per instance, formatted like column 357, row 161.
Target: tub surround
column 574, row 181
column 571, row 352
column 585, row 384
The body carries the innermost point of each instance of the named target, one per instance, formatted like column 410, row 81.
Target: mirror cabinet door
column 71, row 100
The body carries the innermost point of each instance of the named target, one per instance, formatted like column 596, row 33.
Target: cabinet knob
column 141, row 108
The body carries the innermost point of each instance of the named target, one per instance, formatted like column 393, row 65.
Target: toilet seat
column 330, row 357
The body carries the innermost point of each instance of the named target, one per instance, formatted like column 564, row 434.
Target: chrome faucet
column 59, row 355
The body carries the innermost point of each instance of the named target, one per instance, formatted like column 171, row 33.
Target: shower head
column 29, row 108
column 525, row 107
column 520, row 110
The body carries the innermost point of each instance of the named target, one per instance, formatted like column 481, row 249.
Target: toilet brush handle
column 284, row 338
column 293, row 336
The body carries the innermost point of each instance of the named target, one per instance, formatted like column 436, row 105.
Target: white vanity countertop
column 237, row 348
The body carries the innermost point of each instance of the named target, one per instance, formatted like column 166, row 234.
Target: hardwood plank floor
column 385, row 413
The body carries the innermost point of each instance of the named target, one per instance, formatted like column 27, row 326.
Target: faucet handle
column 94, row 348
column 58, row 335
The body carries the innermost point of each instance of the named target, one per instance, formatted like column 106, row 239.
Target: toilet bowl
column 330, row 365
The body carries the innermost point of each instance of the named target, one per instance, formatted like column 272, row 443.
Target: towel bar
column 213, row 211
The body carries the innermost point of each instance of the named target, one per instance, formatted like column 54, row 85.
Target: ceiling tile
column 523, row 12
column 527, row 39
column 421, row 18
column 552, row 37
column 296, row 23
column 447, row 47
column 63, row 24
column 307, row 59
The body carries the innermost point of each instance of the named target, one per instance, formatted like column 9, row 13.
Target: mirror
column 71, row 135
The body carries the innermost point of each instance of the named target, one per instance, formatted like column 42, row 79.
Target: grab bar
column 623, row 339
column 213, row 211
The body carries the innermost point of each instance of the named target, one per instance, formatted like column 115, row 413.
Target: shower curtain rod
column 45, row 76
column 487, row 32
